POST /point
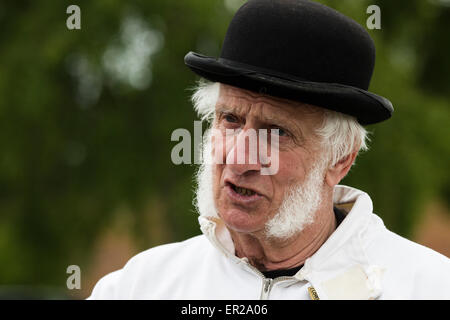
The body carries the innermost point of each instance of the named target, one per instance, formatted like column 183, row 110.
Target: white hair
column 205, row 98
column 340, row 134
column 204, row 198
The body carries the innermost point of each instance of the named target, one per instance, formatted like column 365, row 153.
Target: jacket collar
column 340, row 269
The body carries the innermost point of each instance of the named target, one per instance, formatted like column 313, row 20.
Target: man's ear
column 337, row 172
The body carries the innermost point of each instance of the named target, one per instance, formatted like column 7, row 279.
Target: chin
column 240, row 220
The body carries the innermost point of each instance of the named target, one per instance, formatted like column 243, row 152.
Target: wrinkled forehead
column 266, row 108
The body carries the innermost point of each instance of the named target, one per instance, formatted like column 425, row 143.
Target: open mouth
column 241, row 191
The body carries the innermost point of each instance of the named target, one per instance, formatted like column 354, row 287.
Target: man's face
column 298, row 147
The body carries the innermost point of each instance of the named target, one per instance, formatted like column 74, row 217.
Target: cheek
column 291, row 172
column 291, row 169
column 217, row 171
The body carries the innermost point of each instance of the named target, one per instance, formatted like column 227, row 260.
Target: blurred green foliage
column 86, row 117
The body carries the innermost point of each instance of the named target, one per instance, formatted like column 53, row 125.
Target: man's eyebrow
column 277, row 120
column 222, row 108
column 286, row 123
column 274, row 120
column 264, row 118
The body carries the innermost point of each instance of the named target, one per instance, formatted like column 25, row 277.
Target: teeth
column 244, row 191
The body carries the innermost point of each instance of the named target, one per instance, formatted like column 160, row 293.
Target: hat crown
column 302, row 40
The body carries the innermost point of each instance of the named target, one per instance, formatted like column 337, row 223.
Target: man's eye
column 230, row 118
column 280, row 131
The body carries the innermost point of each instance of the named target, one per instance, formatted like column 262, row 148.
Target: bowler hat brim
column 365, row 106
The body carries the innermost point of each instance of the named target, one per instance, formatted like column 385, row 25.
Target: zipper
column 267, row 282
column 267, row 285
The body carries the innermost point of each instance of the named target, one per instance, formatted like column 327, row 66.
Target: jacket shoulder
column 161, row 254
column 417, row 271
column 147, row 265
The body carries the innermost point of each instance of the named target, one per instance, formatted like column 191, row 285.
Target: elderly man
column 300, row 71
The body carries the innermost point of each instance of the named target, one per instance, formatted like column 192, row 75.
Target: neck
column 269, row 254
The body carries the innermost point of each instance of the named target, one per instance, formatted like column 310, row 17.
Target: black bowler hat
column 299, row 50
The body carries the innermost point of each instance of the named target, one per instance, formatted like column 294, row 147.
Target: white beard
column 298, row 207
column 204, row 195
column 295, row 213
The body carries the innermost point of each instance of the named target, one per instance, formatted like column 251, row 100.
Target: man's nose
column 243, row 156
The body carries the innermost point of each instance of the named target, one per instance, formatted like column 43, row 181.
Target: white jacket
column 360, row 260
